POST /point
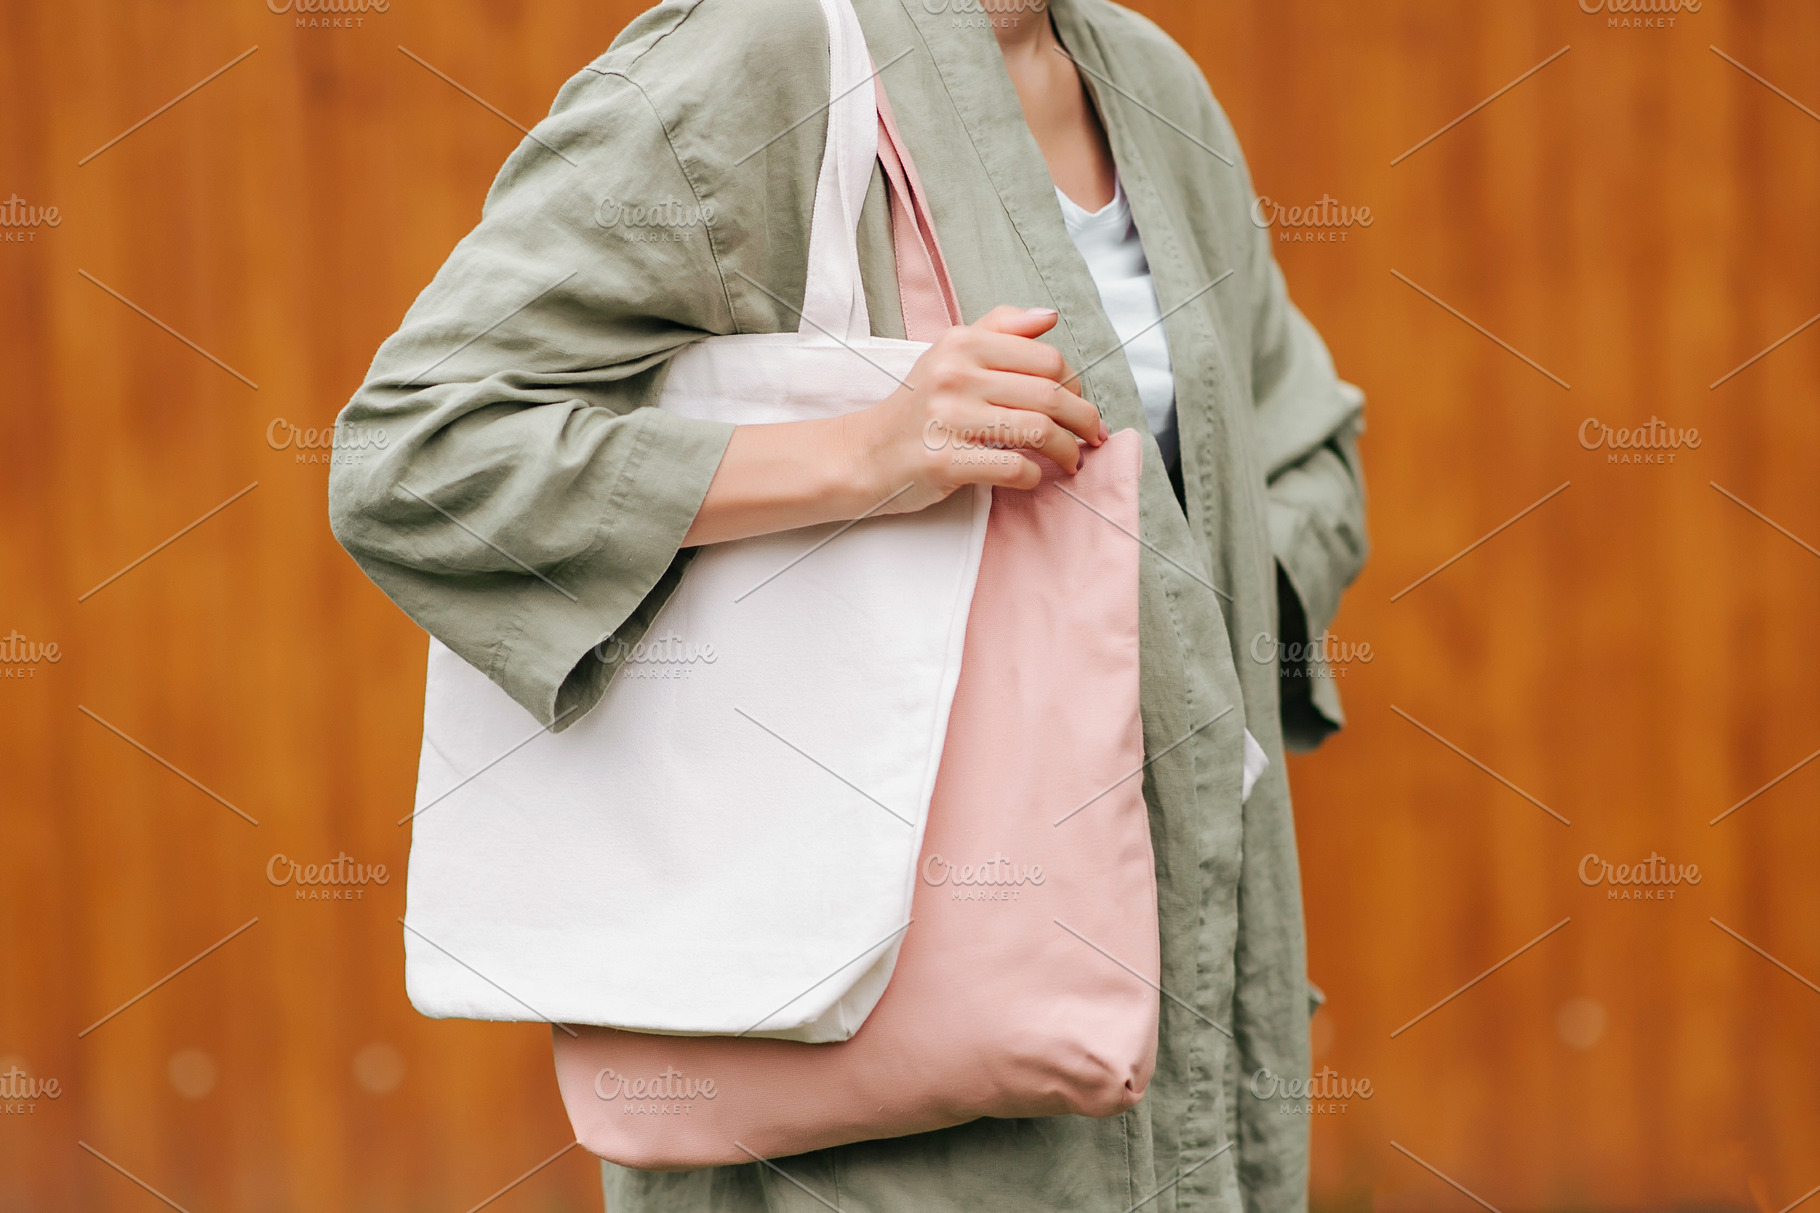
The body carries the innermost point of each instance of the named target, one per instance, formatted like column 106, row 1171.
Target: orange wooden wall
column 1637, row 218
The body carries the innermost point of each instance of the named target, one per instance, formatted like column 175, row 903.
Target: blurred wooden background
column 1637, row 654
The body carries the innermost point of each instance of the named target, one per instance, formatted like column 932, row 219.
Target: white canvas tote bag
column 727, row 842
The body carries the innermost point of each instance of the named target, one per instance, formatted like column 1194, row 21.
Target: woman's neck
column 1021, row 27
column 1055, row 102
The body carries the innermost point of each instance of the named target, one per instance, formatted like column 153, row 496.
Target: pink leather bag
column 1026, row 984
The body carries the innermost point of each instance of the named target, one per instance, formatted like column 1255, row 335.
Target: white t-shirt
column 1108, row 242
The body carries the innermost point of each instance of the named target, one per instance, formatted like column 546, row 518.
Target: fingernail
column 1104, row 432
column 1042, row 312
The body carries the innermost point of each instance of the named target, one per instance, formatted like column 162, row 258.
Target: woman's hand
column 979, row 396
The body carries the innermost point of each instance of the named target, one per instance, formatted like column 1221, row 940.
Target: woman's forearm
column 778, row 477
column 990, row 391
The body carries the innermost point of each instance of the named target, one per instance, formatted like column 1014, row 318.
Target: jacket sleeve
column 1308, row 423
column 503, row 483
column 504, row 479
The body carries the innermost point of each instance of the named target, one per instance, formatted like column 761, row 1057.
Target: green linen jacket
column 667, row 198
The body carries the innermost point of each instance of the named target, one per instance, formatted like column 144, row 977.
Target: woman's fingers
column 1007, row 352
column 1004, row 339
column 978, row 398
column 1038, row 395
column 1042, row 435
column 1023, row 321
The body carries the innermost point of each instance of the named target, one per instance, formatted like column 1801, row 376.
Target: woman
column 666, row 198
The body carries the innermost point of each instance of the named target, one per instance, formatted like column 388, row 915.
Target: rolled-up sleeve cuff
column 552, row 660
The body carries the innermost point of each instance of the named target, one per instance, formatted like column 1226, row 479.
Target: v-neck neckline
column 1079, row 217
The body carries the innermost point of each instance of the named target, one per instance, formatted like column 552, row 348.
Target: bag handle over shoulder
column 834, row 302
column 860, row 130
column 923, row 285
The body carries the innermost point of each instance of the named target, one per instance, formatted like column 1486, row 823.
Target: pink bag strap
column 923, row 285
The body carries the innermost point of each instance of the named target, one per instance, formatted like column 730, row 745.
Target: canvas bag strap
column 834, row 302
column 861, row 130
